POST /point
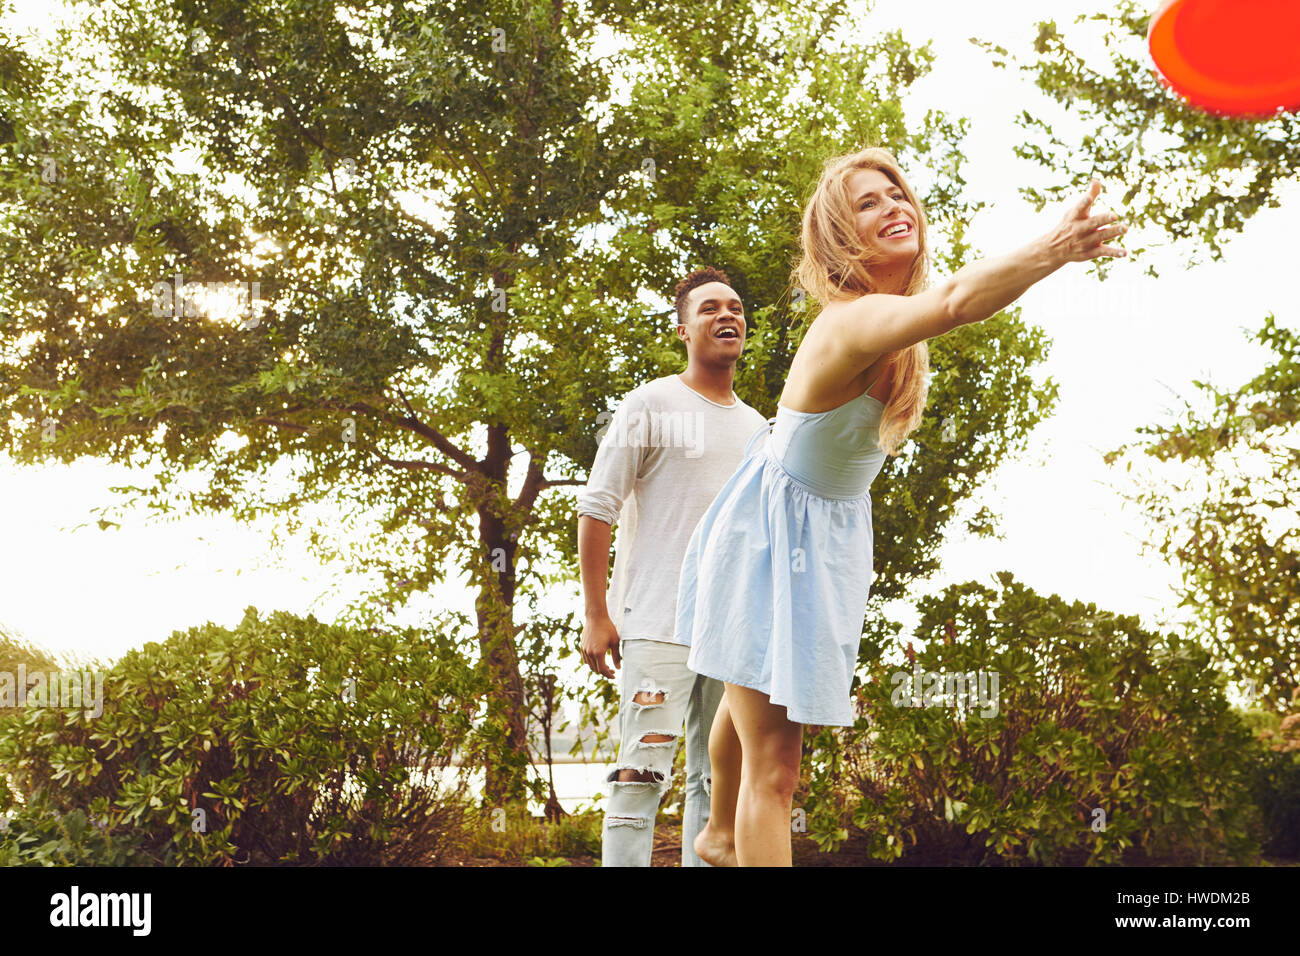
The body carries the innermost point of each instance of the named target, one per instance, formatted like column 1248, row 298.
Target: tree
column 1196, row 178
column 1236, row 541
column 453, row 214
column 1192, row 175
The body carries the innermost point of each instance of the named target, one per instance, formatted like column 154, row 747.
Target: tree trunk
column 495, row 614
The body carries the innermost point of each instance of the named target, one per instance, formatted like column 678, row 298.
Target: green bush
column 36, row 834
column 1276, row 784
column 16, row 652
column 1094, row 716
column 284, row 740
column 1276, row 790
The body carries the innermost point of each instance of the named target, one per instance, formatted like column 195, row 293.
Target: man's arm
column 598, row 631
column 613, row 476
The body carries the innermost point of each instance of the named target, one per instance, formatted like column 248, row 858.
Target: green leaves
column 1091, row 713
column 1191, row 175
column 1228, row 522
column 268, row 739
column 952, row 809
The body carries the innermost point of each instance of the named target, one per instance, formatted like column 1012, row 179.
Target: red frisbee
column 1233, row 57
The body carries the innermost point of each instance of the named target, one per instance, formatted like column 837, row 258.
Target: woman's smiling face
column 886, row 221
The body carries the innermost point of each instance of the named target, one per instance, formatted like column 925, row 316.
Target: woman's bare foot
column 715, row 849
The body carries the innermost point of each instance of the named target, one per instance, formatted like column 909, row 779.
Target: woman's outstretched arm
column 874, row 324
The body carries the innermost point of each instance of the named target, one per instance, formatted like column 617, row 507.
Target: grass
column 575, row 841
column 497, row 836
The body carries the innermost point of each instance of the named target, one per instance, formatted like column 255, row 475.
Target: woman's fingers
column 1094, row 189
column 1108, row 251
column 1084, row 236
column 1101, row 219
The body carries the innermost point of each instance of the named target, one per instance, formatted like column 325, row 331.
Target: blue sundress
column 776, row 577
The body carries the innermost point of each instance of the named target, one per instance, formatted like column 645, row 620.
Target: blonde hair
column 835, row 264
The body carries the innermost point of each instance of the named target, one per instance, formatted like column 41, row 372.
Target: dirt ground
column 668, row 852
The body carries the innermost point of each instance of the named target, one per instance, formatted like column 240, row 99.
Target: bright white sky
column 1122, row 352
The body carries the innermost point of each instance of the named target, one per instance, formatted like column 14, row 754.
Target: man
column 667, row 451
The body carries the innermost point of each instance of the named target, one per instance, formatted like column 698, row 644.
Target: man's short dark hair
column 693, row 281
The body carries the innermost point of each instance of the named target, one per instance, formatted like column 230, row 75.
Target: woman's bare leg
column 716, row 843
column 771, row 747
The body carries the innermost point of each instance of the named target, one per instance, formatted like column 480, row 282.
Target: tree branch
column 433, row 466
column 532, row 485
column 293, row 426
column 396, row 463
column 439, row 441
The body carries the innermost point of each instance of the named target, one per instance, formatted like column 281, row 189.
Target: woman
column 775, row 582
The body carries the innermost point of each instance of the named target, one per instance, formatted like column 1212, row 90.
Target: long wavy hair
column 835, row 264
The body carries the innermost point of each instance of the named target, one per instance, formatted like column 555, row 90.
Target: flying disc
column 1233, row 57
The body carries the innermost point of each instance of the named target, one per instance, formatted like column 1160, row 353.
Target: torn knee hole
column 657, row 738
column 639, row 776
column 639, row 822
column 648, row 698
column 635, row 775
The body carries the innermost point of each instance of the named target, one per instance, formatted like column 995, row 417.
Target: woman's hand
column 1082, row 236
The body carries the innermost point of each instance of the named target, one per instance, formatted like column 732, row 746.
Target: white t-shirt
column 664, row 455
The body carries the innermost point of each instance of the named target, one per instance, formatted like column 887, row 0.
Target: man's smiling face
column 714, row 330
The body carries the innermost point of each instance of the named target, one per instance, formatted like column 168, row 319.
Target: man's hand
column 599, row 635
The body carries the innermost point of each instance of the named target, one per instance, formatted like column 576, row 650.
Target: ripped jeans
column 658, row 692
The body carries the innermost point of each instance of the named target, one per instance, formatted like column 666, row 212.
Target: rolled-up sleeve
column 618, row 463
